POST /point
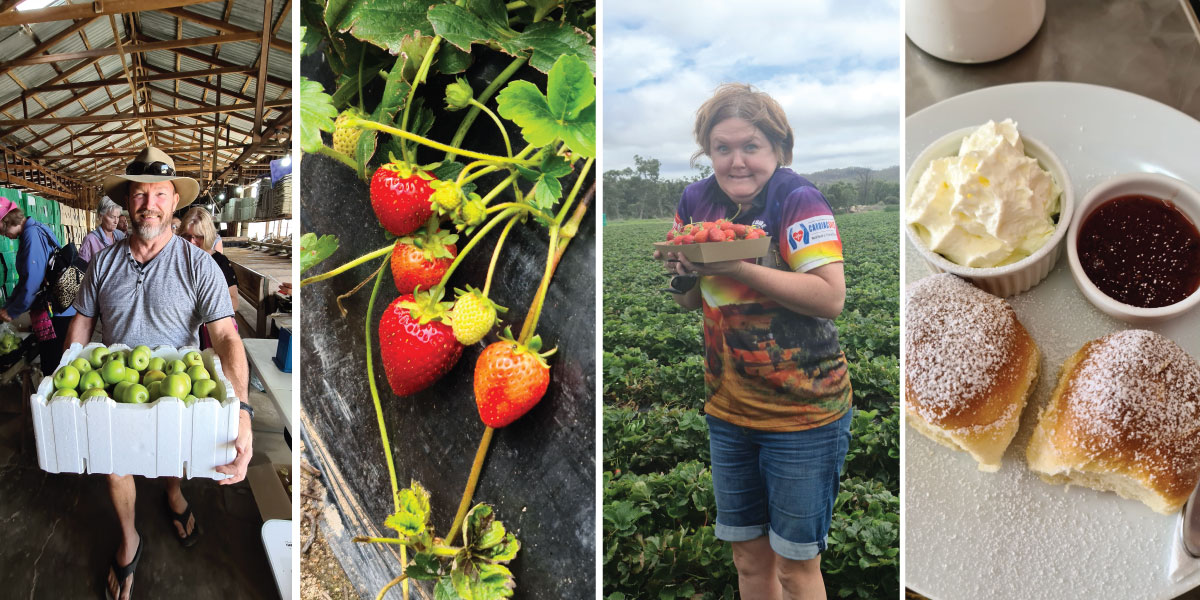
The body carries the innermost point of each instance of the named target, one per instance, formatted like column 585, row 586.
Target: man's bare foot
column 126, row 560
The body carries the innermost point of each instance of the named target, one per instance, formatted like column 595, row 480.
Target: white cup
column 972, row 31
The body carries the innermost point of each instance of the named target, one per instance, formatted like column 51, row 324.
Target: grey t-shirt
column 162, row 302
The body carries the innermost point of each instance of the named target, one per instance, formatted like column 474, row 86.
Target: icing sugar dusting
column 1136, row 397
column 956, row 340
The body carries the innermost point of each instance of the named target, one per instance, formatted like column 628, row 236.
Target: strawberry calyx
column 532, row 347
column 477, row 293
column 431, row 240
column 406, row 170
column 427, row 306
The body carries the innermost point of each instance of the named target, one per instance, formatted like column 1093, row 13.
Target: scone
column 969, row 367
column 1125, row 417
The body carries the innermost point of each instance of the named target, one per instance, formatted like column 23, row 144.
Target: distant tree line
column 639, row 192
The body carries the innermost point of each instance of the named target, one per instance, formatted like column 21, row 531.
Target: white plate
column 1009, row 535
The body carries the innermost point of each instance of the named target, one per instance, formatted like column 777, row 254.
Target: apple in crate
column 81, row 365
column 193, row 359
column 139, row 358
column 176, row 384
column 92, row 380
column 66, row 378
column 157, row 363
column 203, row 388
column 137, row 394
column 176, row 366
column 97, row 358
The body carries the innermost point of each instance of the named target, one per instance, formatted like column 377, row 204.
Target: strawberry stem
column 522, row 206
column 383, row 436
column 556, row 253
column 483, row 97
column 469, row 492
column 487, row 286
column 422, row 72
column 495, row 119
column 391, row 584
column 368, row 124
column 342, row 158
column 471, row 244
column 562, row 212
column 346, row 267
column 358, row 287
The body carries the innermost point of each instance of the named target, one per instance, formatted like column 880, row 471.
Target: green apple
column 131, row 375
column 91, row 380
column 119, row 392
column 97, row 358
column 118, row 356
column 66, row 378
column 193, row 359
column 113, row 372
column 67, row 392
column 153, row 389
column 139, row 358
column 151, row 376
column 203, row 388
column 158, row 363
column 176, row 384
column 94, row 392
column 137, row 394
column 82, row 365
column 189, row 400
column 176, row 366
column 197, row 373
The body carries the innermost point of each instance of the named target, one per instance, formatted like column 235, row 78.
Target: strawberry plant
column 658, row 507
column 455, row 194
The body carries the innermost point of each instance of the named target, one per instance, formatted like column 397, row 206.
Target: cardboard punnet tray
column 718, row 251
column 163, row 438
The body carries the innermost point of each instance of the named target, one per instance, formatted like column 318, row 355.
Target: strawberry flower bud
column 458, row 95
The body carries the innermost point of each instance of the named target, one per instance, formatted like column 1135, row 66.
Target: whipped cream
column 989, row 206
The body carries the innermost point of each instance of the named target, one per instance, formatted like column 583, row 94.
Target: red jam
column 1141, row 251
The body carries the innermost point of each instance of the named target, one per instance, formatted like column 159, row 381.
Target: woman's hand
column 4, row 318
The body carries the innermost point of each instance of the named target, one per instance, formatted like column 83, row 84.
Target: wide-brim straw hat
column 117, row 186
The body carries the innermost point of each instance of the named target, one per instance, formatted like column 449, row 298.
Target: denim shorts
column 781, row 484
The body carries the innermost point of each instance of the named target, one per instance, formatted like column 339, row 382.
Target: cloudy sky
column 834, row 66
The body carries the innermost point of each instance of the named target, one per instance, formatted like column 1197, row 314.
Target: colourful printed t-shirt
column 767, row 367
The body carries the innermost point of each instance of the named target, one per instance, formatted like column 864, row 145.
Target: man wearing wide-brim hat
column 153, row 289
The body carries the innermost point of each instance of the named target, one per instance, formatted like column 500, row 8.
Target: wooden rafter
column 133, row 48
column 88, row 9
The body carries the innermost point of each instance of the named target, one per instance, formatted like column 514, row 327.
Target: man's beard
column 149, row 232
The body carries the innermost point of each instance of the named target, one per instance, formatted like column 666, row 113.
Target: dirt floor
column 321, row 576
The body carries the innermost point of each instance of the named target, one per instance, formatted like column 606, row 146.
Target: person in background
column 197, row 228
column 106, row 233
column 175, row 224
column 123, row 223
column 36, row 244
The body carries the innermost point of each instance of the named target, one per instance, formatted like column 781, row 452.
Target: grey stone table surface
column 1148, row 47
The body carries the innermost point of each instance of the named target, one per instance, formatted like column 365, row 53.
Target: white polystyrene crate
column 162, row 438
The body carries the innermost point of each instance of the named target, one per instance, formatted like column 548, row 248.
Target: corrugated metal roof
column 56, row 139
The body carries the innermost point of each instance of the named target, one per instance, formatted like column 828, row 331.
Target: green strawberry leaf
column 316, row 115
column 570, row 88
column 314, row 250
column 492, row 536
column 412, row 52
column 363, row 151
column 476, row 524
column 424, row 567
column 548, row 42
column 555, row 165
column 480, row 21
column 546, row 192
column 505, row 551
column 528, row 174
column 448, row 171
column 495, row 581
column 569, row 114
column 413, row 517
column 386, row 23
column 444, row 590
column 450, row 60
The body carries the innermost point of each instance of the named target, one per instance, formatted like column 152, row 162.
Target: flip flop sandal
column 182, row 519
column 124, row 572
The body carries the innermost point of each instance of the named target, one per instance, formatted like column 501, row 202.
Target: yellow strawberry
column 345, row 139
column 473, row 316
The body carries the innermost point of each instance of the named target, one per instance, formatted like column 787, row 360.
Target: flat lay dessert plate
column 970, row 534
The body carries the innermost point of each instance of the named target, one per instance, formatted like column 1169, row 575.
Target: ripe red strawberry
column 716, row 235
column 510, row 379
column 686, row 239
column 670, row 235
column 422, row 259
column 417, row 347
column 702, row 236
column 740, row 230
column 400, row 196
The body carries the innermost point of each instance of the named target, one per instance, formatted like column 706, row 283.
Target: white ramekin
column 1182, row 195
column 1008, row 280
